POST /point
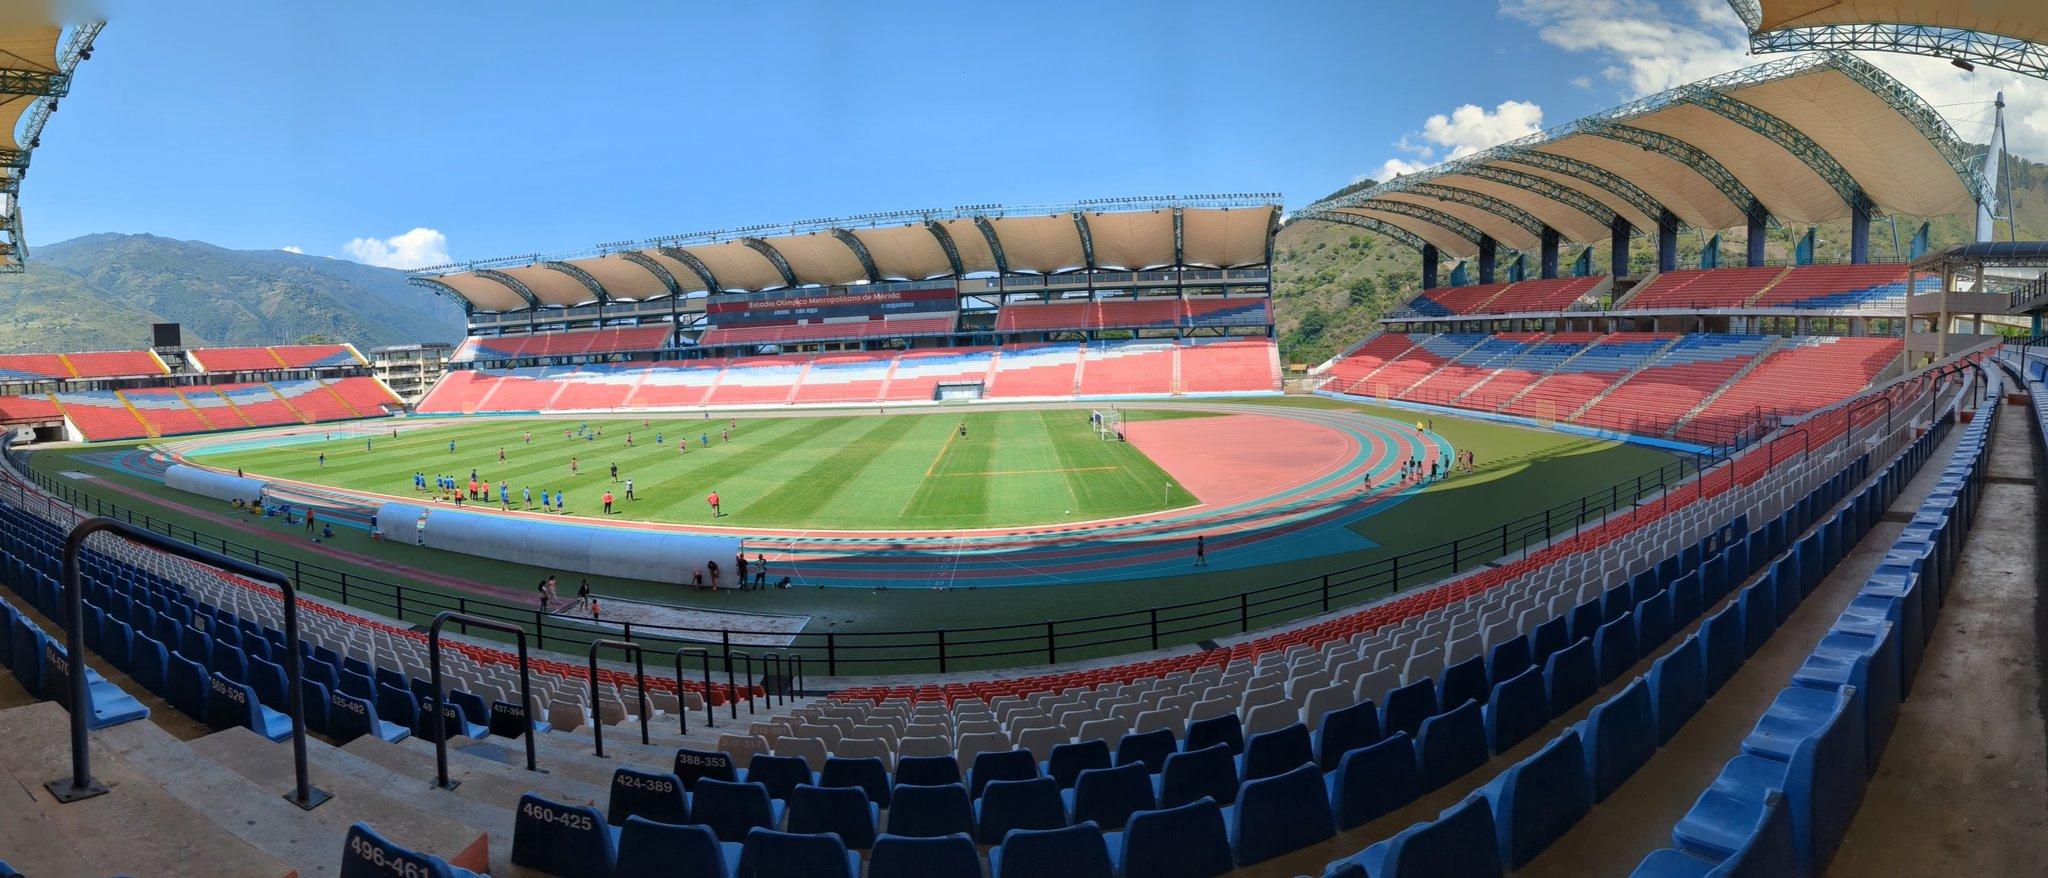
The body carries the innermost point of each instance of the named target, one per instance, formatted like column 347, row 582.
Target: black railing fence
column 984, row 647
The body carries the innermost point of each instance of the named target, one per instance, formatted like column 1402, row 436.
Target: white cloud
column 1582, row 81
column 1459, row 133
column 292, row 248
column 415, row 249
column 1392, row 168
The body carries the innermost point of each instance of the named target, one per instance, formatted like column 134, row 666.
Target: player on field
column 713, row 500
column 615, row 472
column 451, row 446
column 629, row 488
column 526, row 493
column 1201, row 551
column 607, row 502
column 323, row 460
column 572, row 466
column 501, row 454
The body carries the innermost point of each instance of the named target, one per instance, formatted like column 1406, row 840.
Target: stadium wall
column 622, row 552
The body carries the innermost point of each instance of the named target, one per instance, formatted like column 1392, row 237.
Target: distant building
column 411, row 369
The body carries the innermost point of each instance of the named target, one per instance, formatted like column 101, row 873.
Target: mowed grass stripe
column 963, row 499
column 807, row 497
column 1026, row 447
column 742, row 477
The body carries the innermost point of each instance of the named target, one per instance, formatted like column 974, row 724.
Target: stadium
column 1008, row 540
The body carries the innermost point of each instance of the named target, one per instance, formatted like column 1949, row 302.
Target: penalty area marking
column 1031, row 472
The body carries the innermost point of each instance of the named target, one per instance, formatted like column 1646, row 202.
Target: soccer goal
column 1109, row 423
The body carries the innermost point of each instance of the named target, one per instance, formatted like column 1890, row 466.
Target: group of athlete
column 479, row 490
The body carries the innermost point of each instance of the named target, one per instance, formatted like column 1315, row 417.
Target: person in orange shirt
column 713, row 500
column 607, row 502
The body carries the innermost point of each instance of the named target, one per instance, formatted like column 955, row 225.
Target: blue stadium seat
column 1653, row 622
column 1614, row 648
column 1539, row 799
column 509, row 720
column 1724, row 646
column 1547, row 639
column 692, row 766
column 1462, row 682
column 1759, row 615
column 395, row 705
column 1452, row 743
column 1150, row 748
column 1189, row 841
column 1765, row 853
column 452, row 722
column 1517, row 708
column 770, row 854
column 1372, row 782
column 1280, row 815
column 648, row 847
column 1226, row 729
column 1571, row 676
column 1408, row 706
column 1585, row 619
column 1459, row 843
column 1005, row 805
column 1615, row 602
column 359, row 685
column 1619, row 736
column 1068, row 760
column 842, row 811
column 268, row 679
column 945, row 856
column 1823, row 785
column 1077, row 851
column 349, row 718
column 226, row 658
column 1866, row 661
column 1109, row 796
column 315, row 702
column 780, row 775
column 189, row 685
column 999, row 765
column 657, row 797
column 232, row 704
column 1784, row 579
column 1508, row 658
column 566, row 841
column 1276, row 752
column 1196, row 774
column 1687, row 600
column 731, row 809
column 920, row 811
column 474, row 711
column 927, row 771
column 1907, row 609
column 116, row 642
column 866, row 773
column 1678, row 686
column 1346, row 730
column 365, row 854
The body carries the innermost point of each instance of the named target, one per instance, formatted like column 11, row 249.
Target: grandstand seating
column 275, row 357
column 1538, row 361
column 1802, row 374
column 1655, row 398
column 1841, row 287
column 758, row 381
column 1143, row 312
column 1357, row 365
column 1431, row 353
column 1446, row 383
column 92, row 364
column 27, row 408
column 916, row 375
column 1127, row 367
column 588, row 342
column 848, row 377
column 1034, row 371
column 103, row 415
column 843, row 330
column 1571, row 383
column 1708, row 288
column 1554, row 294
column 1229, row 366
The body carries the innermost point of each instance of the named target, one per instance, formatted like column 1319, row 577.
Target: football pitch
column 925, row 471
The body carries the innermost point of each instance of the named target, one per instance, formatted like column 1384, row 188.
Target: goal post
column 1108, row 423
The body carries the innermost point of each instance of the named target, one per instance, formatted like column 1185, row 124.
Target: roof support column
column 1548, row 268
column 1757, row 216
column 1488, row 251
column 1667, row 241
column 1617, row 247
column 1429, row 258
column 1859, row 232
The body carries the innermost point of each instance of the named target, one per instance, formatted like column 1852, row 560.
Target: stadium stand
column 1449, row 382
column 843, row 330
column 274, row 358
column 1157, row 312
column 1840, row 287
column 1662, row 392
column 1803, row 374
column 1554, row 294
column 102, row 415
column 1572, row 382
column 593, row 342
column 91, row 364
column 1707, row 288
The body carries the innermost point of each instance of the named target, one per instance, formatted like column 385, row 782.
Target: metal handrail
column 440, row 695
column 81, row 784
column 639, row 685
column 682, row 708
column 732, row 699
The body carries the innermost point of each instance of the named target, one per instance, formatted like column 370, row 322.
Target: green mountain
column 102, row 291
column 1331, row 282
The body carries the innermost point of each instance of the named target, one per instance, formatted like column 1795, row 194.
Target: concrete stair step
column 138, row 828
column 481, row 779
column 417, row 791
column 269, row 765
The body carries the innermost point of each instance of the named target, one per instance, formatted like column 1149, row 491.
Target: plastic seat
column 1408, row 706
column 1077, row 851
column 1452, row 744
column 365, row 854
column 843, row 811
column 1614, row 648
column 1279, row 815
column 1344, row 731
column 1460, row 841
column 232, row 704
column 568, row 841
column 927, row 771
column 1196, row 774
column 1653, row 622
column 1823, row 785
column 865, row 773
column 1005, row 805
column 1537, row 800
column 1226, row 729
column 781, row 775
column 1508, row 658
column 1619, row 736
column 1067, row 761
column 1277, row 752
column 349, row 718
column 1374, row 781
column 919, row 811
column 1723, row 646
column 1462, row 682
column 1189, row 841
column 731, row 809
column 1517, row 708
column 1766, row 851
column 1868, row 662
column 1147, row 748
column 1678, row 686
column 945, row 856
column 770, row 854
column 1007, row 765
column 657, row 797
column 1109, row 796
column 648, row 847
column 189, row 684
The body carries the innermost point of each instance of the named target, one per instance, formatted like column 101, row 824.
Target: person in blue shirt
column 657, row 438
column 561, row 505
column 544, row 505
column 705, row 439
column 505, row 494
column 451, row 446
column 526, row 493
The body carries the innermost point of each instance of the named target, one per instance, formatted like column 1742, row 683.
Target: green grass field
column 890, row 472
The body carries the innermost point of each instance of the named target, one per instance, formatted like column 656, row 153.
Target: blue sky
column 501, row 128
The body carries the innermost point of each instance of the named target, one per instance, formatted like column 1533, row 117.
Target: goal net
column 1109, row 423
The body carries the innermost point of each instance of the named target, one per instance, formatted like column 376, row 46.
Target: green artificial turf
column 887, row 472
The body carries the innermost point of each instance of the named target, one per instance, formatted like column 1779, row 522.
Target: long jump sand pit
column 1229, row 458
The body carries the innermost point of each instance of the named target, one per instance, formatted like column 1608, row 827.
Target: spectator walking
column 1201, row 551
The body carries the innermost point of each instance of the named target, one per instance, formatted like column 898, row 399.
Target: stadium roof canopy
column 1209, row 231
column 1804, row 140
column 37, row 57
column 2010, row 34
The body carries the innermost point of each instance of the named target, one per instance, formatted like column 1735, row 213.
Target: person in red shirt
column 607, row 502
column 713, row 500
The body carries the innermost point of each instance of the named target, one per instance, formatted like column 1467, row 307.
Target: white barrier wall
column 207, row 483
column 560, row 545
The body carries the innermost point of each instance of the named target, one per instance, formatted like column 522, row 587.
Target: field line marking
column 1026, row 472
column 943, row 448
